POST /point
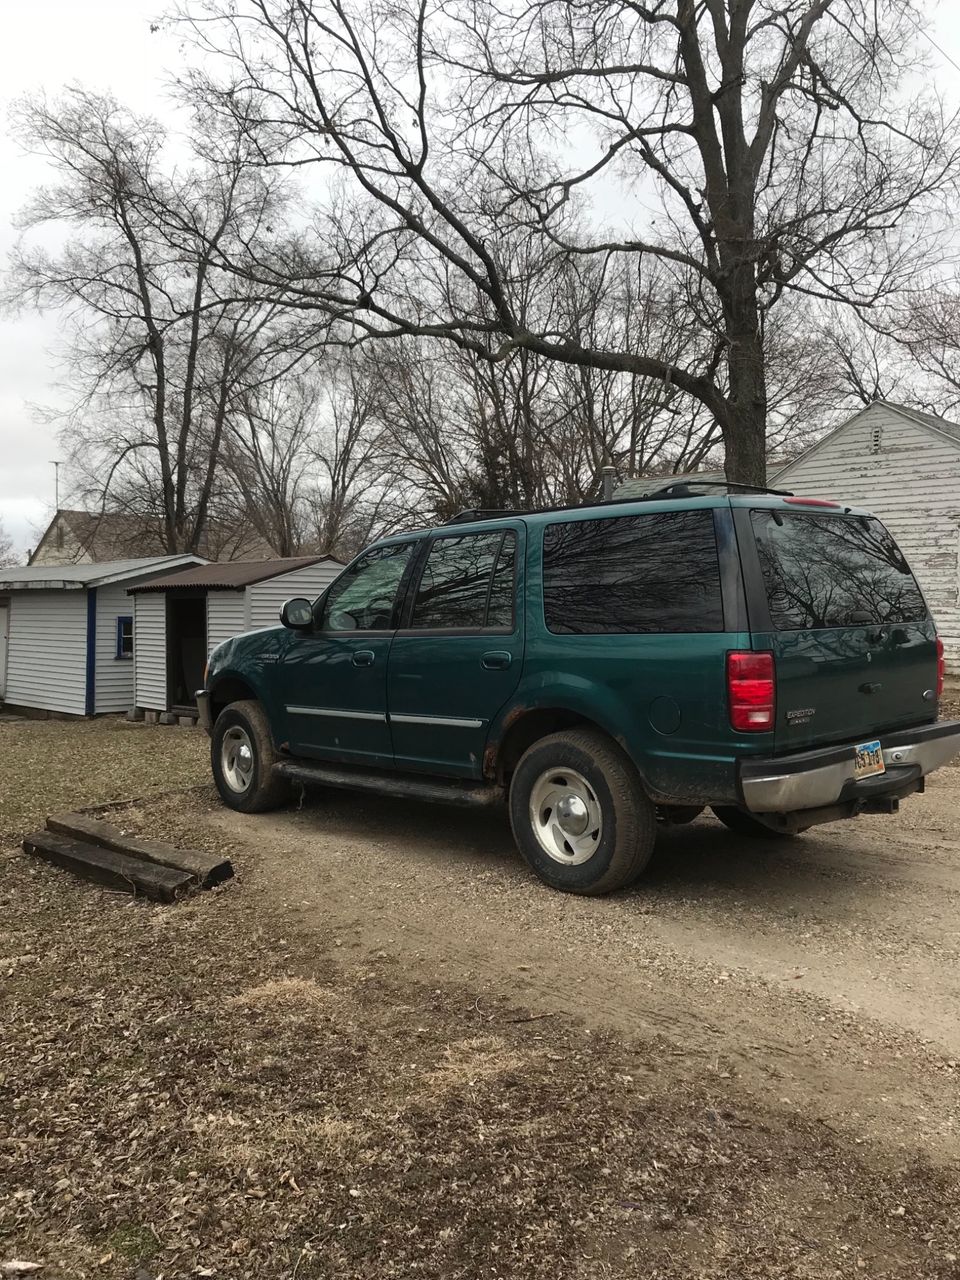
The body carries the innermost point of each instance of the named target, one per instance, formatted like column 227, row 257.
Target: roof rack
column 680, row 489
column 483, row 513
column 684, row 489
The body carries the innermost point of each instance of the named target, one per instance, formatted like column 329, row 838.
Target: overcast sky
column 107, row 45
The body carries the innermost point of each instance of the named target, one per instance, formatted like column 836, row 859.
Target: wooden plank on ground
column 208, row 868
column 118, row 870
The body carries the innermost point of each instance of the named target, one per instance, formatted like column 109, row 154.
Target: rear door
column 459, row 653
column 854, row 642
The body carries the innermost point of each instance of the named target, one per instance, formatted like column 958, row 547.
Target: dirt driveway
column 385, row 1050
column 821, row 971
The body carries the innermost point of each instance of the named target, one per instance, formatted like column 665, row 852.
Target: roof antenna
column 56, row 484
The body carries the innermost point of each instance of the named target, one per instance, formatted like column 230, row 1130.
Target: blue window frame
column 124, row 637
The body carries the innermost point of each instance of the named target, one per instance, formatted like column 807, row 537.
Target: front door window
column 364, row 597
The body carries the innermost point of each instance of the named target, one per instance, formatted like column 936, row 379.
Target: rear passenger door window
column 467, row 583
column 633, row 575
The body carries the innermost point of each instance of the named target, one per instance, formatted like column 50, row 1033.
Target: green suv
column 601, row 669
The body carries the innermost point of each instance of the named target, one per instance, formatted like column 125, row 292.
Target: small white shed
column 904, row 466
column 181, row 618
column 67, row 641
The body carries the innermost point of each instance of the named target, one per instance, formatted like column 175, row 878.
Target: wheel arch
column 523, row 725
column 229, row 687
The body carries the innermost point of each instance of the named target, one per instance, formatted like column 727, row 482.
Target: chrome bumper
column 203, row 711
column 816, row 779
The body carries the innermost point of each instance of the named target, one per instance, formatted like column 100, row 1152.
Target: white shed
column 181, row 618
column 67, row 640
column 904, row 466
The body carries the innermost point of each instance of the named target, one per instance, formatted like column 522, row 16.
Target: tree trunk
column 745, row 431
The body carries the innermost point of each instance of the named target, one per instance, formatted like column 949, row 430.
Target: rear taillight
column 941, row 667
column 750, row 691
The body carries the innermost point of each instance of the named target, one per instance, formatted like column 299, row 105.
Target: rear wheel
column 579, row 813
column 753, row 825
column 242, row 757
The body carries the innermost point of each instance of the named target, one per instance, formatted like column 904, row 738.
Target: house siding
column 114, row 676
column 913, row 484
column 266, row 598
column 150, row 650
column 47, row 651
column 226, row 616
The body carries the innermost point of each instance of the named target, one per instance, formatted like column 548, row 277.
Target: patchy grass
column 47, row 766
column 200, row 1090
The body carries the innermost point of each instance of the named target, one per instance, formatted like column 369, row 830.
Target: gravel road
column 821, row 973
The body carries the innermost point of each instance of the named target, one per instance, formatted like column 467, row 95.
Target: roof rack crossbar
column 682, row 489
column 483, row 513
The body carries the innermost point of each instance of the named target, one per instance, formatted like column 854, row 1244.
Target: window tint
column 467, row 582
column 363, row 597
column 833, row 571
column 632, row 574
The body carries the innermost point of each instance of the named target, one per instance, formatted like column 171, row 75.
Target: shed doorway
column 4, row 633
column 186, row 648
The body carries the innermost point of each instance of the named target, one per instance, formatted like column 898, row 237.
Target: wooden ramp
column 101, row 852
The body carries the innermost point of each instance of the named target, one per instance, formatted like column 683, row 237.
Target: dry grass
column 47, row 766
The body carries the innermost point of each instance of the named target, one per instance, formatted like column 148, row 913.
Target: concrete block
column 187, row 722
column 151, row 717
column 167, row 717
column 136, row 714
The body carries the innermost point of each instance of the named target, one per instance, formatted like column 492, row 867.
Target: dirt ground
column 385, row 1050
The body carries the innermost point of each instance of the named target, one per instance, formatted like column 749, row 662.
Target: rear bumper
column 817, row 779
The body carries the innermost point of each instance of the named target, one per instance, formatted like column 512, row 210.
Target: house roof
column 929, row 419
column 75, row 577
column 640, row 486
column 115, row 535
column 233, row 575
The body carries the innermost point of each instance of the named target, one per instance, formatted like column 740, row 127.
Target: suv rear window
column 632, row 575
column 833, row 571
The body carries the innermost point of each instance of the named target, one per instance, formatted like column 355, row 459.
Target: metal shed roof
column 75, row 577
column 233, row 575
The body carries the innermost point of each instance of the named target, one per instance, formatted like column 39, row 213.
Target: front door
column 458, row 657
column 333, row 680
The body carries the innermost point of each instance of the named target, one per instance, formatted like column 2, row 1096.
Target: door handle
column 496, row 660
column 363, row 658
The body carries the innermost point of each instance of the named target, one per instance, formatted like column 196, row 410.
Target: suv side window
column 632, row 575
column 467, row 582
column 364, row 597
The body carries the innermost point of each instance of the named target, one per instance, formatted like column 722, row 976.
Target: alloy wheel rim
column 566, row 816
column 236, row 759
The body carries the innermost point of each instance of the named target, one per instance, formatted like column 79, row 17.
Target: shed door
column 4, row 632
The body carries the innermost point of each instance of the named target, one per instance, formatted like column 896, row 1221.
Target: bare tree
column 160, row 351
column 7, row 554
column 781, row 145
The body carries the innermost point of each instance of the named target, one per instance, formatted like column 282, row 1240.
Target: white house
column 66, row 634
column 182, row 617
column 904, row 466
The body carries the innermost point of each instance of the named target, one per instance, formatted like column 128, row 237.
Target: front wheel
column 242, row 757
column 753, row 825
column 580, row 815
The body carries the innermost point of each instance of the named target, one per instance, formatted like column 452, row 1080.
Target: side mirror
column 297, row 614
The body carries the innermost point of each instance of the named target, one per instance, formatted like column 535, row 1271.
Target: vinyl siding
column 226, row 616
column 150, row 650
column 266, row 598
column 114, row 678
column 913, row 484
column 47, row 651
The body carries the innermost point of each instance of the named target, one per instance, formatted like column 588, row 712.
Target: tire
column 584, row 770
column 749, row 824
column 242, row 758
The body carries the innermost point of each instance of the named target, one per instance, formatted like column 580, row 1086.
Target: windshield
column 833, row 571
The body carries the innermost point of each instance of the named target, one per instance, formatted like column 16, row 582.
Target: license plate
column 869, row 760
